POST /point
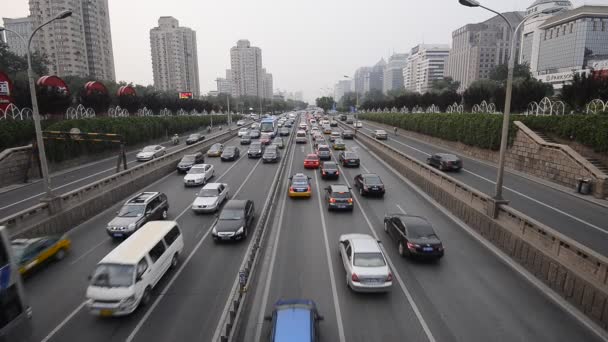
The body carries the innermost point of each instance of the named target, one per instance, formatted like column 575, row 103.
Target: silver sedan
column 365, row 264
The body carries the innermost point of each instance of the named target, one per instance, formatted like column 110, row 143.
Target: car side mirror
column 268, row 318
column 138, row 279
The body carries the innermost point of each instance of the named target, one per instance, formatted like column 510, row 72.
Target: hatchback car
column 339, row 144
column 266, row 138
column 311, row 161
column 35, row 252
column 301, row 137
column 359, row 124
column 369, row 184
column 194, row 138
column 339, row 197
column 271, row 155
column 199, row 174
column 348, row 134
column 138, row 210
column 329, row 170
column 188, row 160
column 254, row 133
column 414, row 235
column 278, row 142
column 284, row 132
column 211, row 196
column 230, row 153
column 349, row 158
column 380, row 134
column 245, row 139
column 235, row 221
column 300, row 186
column 151, row 152
column 215, row 150
column 294, row 320
column 323, row 151
column 365, row 264
column 255, row 150
column 445, row 162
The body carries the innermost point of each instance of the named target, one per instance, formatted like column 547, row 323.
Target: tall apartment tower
column 393, row 73
column 248, row 76
column 426, row 64
column 23, row 26
column 479, row 48
column 174, row 57
column 79, row 45
column 267, row 85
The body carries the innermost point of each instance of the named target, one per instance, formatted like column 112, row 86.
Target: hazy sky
column 306, row 45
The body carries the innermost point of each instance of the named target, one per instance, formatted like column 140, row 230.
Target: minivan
column 125, row 278
column 301, row 137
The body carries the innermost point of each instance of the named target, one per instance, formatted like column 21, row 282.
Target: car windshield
column 196, row 171
column 229, row 150
column 255, row 146
column 215, row 148
column 420, row 231
column 351, row 155
column 149, row 149
column 300, row 181
column 341, row 195
column 330, row 166
column 208, row 193
column 188, row 159
column 323, row 149
column 244, row 130
column 373, row 180
column 314, row 157
column 368, row 260
column 193, row 136
column 113, row 275
column 132, row 210
column 18, row 249
column 231, row 214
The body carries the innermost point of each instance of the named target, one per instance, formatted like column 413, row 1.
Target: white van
column 126, row 276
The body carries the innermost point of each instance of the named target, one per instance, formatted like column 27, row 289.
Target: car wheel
column 164, row 214
column 174, row 261
column 145, row 298
column 401, row 249
column 60, row 254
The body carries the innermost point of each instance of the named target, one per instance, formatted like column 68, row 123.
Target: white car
column 210, row 198
column 365, row 264
column 243, row 131
column 255, row 125
column 199, row 174
column 380, row 134
column 151, row 152
column 240, row 122
column 359, row 124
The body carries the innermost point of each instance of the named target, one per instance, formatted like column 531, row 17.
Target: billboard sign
column 6, row 88
column 185, row 95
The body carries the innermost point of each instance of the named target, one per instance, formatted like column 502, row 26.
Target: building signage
column 599, row 65
column 6, row 87
column 560, row 77
column 185, row 95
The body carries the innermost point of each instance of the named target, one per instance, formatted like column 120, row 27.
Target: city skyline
column 315, row 70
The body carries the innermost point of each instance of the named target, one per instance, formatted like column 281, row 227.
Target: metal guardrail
column 231, row 319
column 22, row 221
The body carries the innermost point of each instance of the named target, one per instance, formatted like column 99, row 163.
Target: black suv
column 146, row 206
column 255, row 150
column 234, row 221
column 339, row 197
column 369, row 184
column 188, row 160
column 349, row 158
column 329, row 170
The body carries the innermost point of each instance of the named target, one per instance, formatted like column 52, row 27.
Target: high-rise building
column 393, row 73
column 246, row 65
column 572, row 41
column 425, row 64
column 341, row 88
column 79, row 45
column 224, row 86
column 267, row 85
column 361, row 80
column 531, row 32
column 174, row 57
column 479, row 48
column 23, row 26
column 376, row 76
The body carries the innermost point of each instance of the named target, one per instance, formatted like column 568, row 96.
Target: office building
column 23, row 26
column 393, row 73
column 224, row 86
column 572, row 41
column 531, row 32
column 267, row 85
column 479, row 48
column 341, row 88
column 376, row 76
column 361, row 80
column 174, row 57
column 246, row 64
column 425, row 64
column 79, row 45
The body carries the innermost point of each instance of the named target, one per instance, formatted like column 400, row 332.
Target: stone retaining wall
column 16, row 165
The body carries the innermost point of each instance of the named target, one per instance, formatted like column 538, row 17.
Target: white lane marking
column 401, row 209
column 260, row 324
column 547, row 291
column 64, row 322
column 408, row 295
column 600, row 229
column 183, row 265
column 89, row 251
column 332, row 276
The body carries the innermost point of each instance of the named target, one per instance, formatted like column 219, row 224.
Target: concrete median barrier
column 575, row 272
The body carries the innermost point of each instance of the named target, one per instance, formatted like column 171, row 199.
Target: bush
column 15, row 133
column 480, row 130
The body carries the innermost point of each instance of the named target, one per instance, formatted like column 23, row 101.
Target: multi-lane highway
column 577, row 218
column 470, row 295
column 25, row 196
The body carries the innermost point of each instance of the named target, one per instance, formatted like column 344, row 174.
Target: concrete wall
column 572, row 270
column 15, row 165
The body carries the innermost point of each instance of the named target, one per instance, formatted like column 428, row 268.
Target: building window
column 571, row 27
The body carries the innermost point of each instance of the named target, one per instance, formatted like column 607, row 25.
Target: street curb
column 549, row 184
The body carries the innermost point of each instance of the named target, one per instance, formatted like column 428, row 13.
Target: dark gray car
column 234, row 221
column 146, row 206
column 188, row 160
column 255, row 150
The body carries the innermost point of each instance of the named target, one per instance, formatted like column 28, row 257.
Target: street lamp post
column 46, row 180
column 498, row 198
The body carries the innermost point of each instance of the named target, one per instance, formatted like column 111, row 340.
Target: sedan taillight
column 354, row 277
column 332, row 200
column 389, row 277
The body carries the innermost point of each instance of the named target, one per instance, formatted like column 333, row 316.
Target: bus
column 15, row 313
column 269, row 125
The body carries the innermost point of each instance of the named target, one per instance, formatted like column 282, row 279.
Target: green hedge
column 481, row 130
column 589, row 130
column 15, row 133
column 135, row 130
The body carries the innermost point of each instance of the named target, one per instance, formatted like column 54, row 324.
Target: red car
column 311, row 161
column 265, row 139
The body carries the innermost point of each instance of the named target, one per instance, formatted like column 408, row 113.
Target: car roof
column 199, row 166
column 339, row 188
column 293, row 324
column 26, row 242
column 363, row 243
column 212, row 185
column 142, row 198
column 235, row 204
column 413, row 220
column 447, row 155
